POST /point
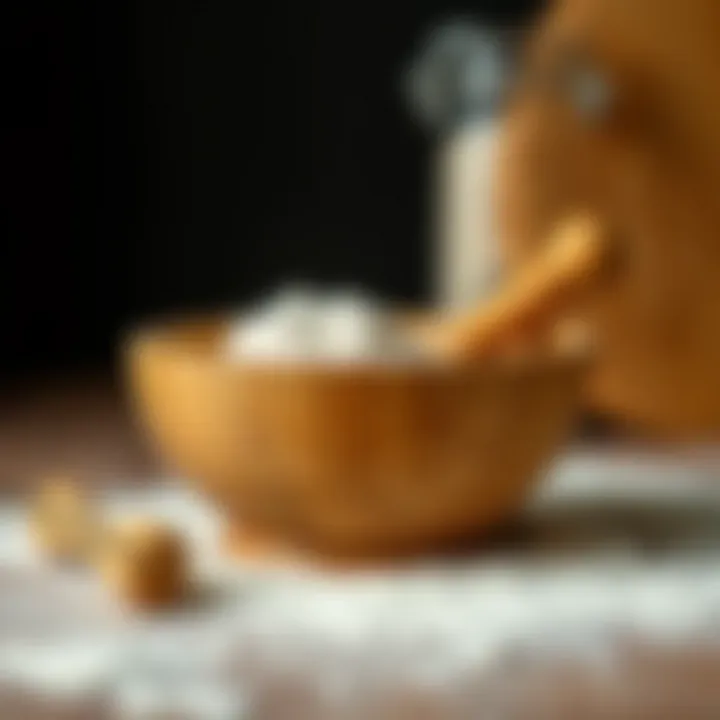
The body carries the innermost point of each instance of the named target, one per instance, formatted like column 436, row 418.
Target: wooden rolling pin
column 566, row 265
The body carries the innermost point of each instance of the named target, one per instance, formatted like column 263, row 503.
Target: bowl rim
column 160, row 336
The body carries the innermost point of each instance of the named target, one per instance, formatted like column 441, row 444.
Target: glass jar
column 456, row 84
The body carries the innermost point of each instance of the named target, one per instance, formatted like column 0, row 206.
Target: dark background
column 165, row 156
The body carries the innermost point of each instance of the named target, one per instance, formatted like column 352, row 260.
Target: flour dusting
column 351, row 641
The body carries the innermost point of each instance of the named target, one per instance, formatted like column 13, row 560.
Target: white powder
column 300, row 324
column 352, row 641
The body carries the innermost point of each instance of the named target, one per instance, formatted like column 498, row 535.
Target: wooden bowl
column 363, row 460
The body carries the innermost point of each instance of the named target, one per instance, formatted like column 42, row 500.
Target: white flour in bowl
column 299, row 324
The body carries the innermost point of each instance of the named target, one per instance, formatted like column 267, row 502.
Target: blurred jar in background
column 455, row 87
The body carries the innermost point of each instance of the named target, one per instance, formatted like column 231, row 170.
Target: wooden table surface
column 82, row 426
column 77, row 425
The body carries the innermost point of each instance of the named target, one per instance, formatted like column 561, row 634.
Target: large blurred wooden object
column 649, row 166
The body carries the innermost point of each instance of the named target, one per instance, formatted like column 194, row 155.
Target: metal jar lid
column 459, row 75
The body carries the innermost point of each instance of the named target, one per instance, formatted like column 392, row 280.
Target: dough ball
column 64, row 524
column 145, row 564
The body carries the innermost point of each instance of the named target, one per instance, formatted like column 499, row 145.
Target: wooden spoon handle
column 538, row 293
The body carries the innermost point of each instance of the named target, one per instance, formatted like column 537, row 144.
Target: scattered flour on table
column 351, row 640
